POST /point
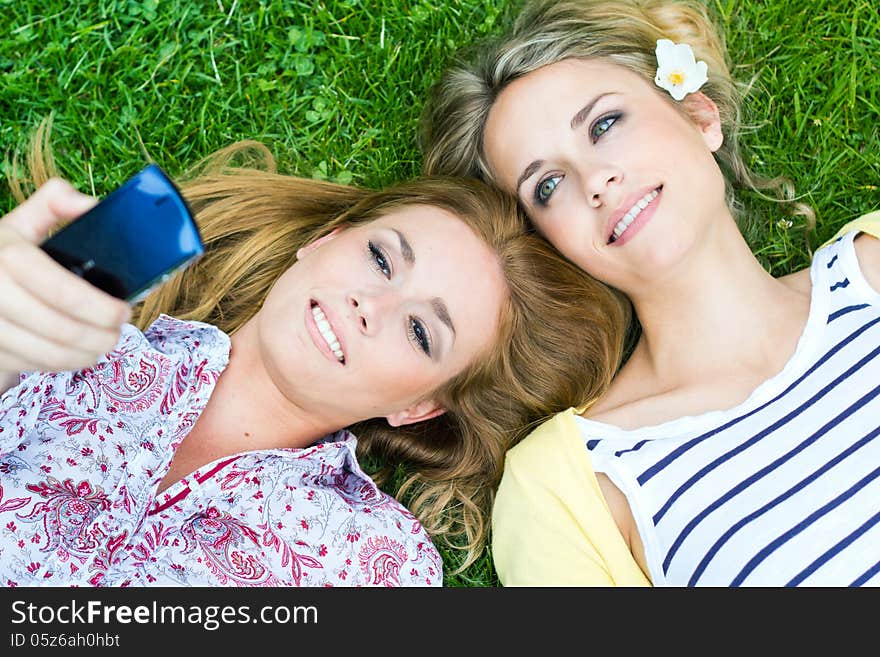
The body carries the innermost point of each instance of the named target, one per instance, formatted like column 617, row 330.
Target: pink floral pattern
column 82, row 454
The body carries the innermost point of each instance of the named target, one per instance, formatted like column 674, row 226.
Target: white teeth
column 634, row 212
column 327, row 333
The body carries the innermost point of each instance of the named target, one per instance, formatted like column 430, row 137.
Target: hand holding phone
column 49, row 319
column 133, row 240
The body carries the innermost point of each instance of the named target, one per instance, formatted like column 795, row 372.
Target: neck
column 249, row 412
column 718, row 312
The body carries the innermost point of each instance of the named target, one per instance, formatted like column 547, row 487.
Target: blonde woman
column 739, row 444
column 213, row 442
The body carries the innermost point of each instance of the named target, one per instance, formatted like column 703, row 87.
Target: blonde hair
column 624, row 32
column 558, row 341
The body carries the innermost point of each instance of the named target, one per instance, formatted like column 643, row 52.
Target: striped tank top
column 783, row 489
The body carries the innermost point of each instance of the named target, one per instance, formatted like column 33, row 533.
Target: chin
column 665, row 257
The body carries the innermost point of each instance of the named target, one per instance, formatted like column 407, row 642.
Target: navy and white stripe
column 783, row 489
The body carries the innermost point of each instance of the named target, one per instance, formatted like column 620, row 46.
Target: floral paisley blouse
column 82, row 455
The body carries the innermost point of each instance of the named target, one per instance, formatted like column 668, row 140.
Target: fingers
column 50, row 319
column 54, row 201
column 29, row 268
column 23, row 351
column 28, row 312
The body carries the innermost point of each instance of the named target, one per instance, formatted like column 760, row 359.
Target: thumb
column 54, row 201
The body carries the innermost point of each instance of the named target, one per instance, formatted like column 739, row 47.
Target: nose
column 599, row 179
column 369, row 307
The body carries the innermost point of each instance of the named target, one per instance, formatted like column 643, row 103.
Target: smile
column 327, row 333
column 632, row 214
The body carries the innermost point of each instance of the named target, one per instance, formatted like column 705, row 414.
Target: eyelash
column 379, row 260
column 540, row 198
column 415, row 329
column 609, row 119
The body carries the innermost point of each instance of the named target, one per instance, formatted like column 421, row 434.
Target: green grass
column 817, row 105
column 335, row 89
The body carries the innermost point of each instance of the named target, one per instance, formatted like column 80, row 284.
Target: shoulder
column 550, row 523
column 172, row 363
column 552, row 442
column 547, row 472
column 381, row 541
column 867, row 245
column 868, row 252
column 550, row 461
column 175, row 337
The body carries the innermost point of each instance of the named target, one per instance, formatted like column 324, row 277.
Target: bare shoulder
column 868, row 253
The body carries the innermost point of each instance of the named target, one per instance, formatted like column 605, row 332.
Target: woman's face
column 372, row 319
column 613, row 175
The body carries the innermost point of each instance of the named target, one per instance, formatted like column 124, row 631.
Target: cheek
column 395, row 362
column 569, row 236
column 551, row 226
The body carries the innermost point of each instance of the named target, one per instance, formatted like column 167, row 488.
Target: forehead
column 534, row 114
column 562, row 89
column 426, row 229
column 597, row 75
column 421, row 222
column 444, row 246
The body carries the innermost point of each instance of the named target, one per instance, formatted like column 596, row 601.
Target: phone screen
column 133, row 240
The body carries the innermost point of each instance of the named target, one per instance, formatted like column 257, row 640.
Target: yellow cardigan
column 550, row 523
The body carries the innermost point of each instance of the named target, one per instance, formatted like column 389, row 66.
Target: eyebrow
column 405, row 248
column 529, row 171
column 442, row 313
column 437, row 304
column 580, row 118
column 576, row 122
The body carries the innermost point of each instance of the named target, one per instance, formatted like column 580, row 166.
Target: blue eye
column 419, row 334
column 545, row 189
column 602, row 125
column 379, row 260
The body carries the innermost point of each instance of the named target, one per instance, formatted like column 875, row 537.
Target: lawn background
column 335, row 89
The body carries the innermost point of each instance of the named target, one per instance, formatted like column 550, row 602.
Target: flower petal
column 664, row 49
column 684, row 55
column 676, row 91
column 678, row 72
column 697, row 78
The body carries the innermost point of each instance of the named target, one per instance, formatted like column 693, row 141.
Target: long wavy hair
column 624, row 32
column 558, row 342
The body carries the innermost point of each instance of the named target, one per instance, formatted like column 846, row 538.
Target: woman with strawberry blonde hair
column 213, row 441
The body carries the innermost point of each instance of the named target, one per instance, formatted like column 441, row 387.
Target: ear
column 308, row 248
column 704, row 113
column 424, row 410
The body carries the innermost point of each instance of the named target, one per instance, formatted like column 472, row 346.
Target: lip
column 318, row 339
column 638, row 222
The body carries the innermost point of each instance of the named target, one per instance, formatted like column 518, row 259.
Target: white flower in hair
column 677, row 69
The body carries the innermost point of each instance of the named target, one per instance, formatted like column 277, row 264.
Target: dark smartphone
column 133, row 240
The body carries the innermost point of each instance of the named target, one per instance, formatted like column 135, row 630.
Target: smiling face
column 611, row 173
column 372, row 319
